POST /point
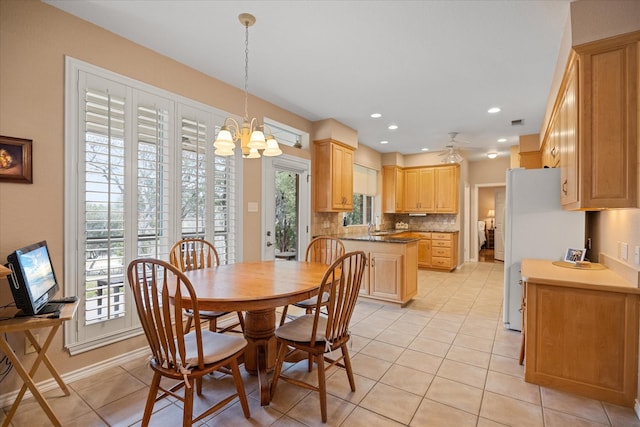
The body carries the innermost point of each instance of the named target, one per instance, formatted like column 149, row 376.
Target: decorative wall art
column 15, row 160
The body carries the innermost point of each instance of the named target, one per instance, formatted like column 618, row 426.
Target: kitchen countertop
column 391, row 236
column 544, row 272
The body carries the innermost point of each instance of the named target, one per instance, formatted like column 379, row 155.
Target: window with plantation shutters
column 140, row 173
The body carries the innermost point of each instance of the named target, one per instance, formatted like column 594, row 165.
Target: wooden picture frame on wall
column 15, row 160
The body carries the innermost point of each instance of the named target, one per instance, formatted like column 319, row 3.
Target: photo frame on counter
column 574, row 255
column 15, row 160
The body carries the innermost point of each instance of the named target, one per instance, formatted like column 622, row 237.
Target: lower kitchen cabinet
column 391, row 273
column 581, row 331
column 436, row 250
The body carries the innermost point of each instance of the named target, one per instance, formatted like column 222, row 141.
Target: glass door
column 286, row 211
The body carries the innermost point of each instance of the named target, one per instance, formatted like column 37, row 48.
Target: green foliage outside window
column 286, row 211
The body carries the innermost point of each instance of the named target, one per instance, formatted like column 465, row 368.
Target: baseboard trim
column 7, row 399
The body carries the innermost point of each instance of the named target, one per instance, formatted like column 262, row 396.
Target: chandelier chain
column 246, row 71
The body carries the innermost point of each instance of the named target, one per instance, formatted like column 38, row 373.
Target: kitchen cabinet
column 419, row 186
column 431, row 189
column 581, row 331
column 424, row 250
column 444, row 251
column 391, row 273
column 436, row 250
column 392, row 189
column 594, row 124
column 446, row 189
column 333, row 182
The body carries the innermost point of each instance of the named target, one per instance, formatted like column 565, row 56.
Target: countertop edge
column 543, row 272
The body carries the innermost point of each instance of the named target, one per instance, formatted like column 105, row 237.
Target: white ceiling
column 431, row 67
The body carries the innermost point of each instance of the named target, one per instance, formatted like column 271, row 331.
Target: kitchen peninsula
column 391, row 272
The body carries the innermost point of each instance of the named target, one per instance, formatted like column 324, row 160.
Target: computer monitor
column 32, row 279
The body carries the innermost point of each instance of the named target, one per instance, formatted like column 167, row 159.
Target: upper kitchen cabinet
column 392, row 189
column 446, row 189
column 431, row 189
column 419, row 190
column 594, row 124
column 333, row 170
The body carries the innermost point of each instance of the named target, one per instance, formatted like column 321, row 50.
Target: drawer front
column 440, row 243
column 441, row 236
column 440, row 262
column 441, row 252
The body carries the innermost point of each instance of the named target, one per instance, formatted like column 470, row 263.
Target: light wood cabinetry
column 424, row 250
column 392, row 269
column 594, row 126
column 581, row 334
column 392, row 189
column 431, row 189
column 436, row 250
column 419, row 190
column 333, row 183
column 444, row 250
column 446, row 189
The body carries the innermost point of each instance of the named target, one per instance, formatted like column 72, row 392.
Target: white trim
column 84, row 372
column 472, row 238
column 297, row 165
column 78, row 74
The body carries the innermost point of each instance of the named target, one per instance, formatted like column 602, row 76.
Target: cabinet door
column 392, row 189
column 566, row 132
column 341, row 178
column 426, row 190
column 411, row 190
column 607, row 161
column 385, row 275
column 446, row 194
column 424, row 253
column 399, row 190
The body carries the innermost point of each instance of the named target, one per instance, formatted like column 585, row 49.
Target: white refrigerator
column 535, row 227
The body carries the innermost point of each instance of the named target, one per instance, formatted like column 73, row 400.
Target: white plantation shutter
column 153, row 180
column 104, row 202
column 140, row 173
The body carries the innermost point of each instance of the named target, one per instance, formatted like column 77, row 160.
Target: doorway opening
column 487, row 239
column 286, row 201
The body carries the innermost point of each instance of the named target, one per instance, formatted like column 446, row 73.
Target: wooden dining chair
column 176, row 353
column 192, row 254
column 324, row 249
column 319, row 334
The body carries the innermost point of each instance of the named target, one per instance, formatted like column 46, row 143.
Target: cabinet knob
column 564, row 187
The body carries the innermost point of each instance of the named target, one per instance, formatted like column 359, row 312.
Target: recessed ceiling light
column 493, row 110
column 376, row 115
column 384, row 142
column 502, row 140
column 425, row 149
column 492, row 155
column 393, row 127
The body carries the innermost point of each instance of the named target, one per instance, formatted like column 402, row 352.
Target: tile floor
column 444, row 360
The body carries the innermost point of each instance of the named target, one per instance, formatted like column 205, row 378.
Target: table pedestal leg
column 260, row 355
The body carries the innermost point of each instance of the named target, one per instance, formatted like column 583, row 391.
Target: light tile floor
column 444, row 360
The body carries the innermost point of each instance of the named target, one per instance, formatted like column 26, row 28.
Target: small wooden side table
column 26, row 325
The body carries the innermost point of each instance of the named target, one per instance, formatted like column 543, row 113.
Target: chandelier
column 251, row 133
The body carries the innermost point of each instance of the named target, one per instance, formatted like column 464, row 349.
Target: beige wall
column 34, row 39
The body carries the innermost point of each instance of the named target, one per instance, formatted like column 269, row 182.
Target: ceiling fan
column 451, row 153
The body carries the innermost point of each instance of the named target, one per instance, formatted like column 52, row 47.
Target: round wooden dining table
column 257, row 288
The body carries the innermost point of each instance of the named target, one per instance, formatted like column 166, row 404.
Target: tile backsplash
column 330, row 223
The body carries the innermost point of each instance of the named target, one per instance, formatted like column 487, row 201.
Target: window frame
column 74, row 190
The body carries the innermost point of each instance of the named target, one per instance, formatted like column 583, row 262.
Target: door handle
column 269, row 244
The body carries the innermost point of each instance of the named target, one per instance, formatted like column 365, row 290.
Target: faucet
column 369, row 229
